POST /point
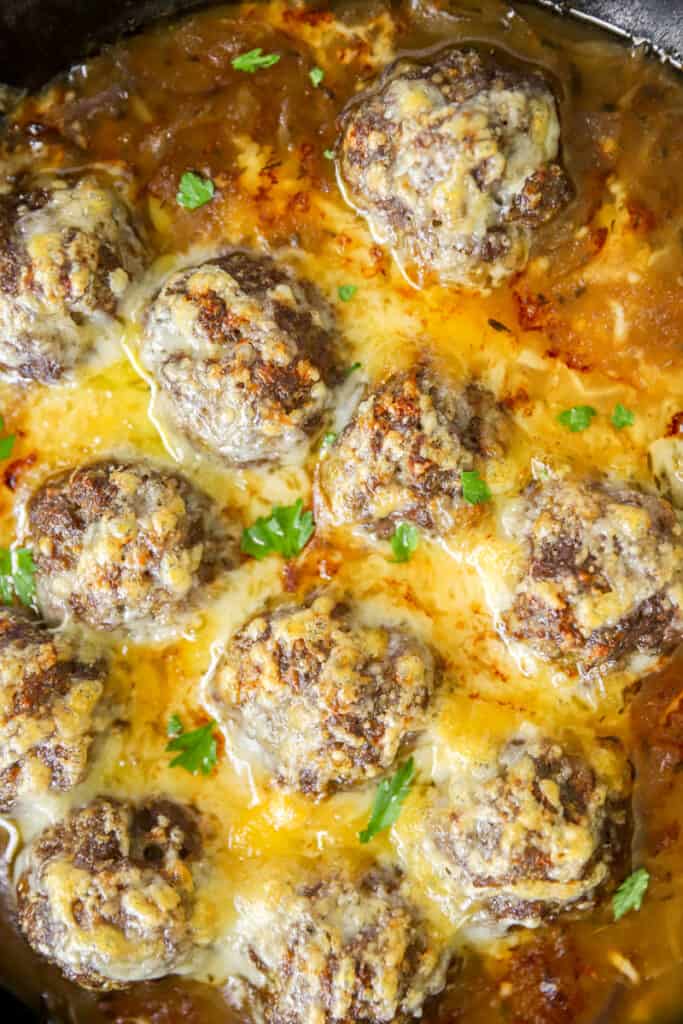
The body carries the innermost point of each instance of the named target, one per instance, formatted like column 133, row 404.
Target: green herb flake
column 389, row 800
column 474, row 489
column 196, row 749
column 286, row 531
column 328, row 154
column 352, row 369
column 6, row 443
column 316, row 76
column 6, row 580
column 17, row 576
column 629, row 895
column 328, row 440
column 404, row 541
column 622, row 417
column 347, row 291
column 175, row 726
column 194, row 191
column 577, row 418
column 254, row 60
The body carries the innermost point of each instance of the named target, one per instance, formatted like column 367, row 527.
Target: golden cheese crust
column 68, row 251
column 453, row 161
column 122, row 543
column 108, row 893
column 51, row 708
column 602, row 576
column 402, row 456
column 244, row 354
column 546, row 829
column 342, row 949
column 330, row 698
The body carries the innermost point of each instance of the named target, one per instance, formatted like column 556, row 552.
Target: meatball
column 403, row 454
column 68, row 250
column 601, row 577
column 50, row 709
column 243, row 353
column 452, row 161
column 543, row 829
column 330, row 698
column 342, row 950
column 118, row 543
column 108, row 894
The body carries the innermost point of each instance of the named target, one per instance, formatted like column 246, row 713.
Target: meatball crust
column 453, row 162
column 329, row 698
column 342, row 950
column 68, row 250
column 544, row 829
column 120, row 543
column 602, row 574
column 402, row 455
column 244, row 355
column 108, row 894
column 50, row 709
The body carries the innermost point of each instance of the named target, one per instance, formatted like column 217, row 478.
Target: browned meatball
column 341, row 949
column 50, row 709
column 403, row 454
column 542, row 830
column 244, row 355
column 601, row 577
column 119, row 543
column 108, row 894
column 453, row 162
column 329, row 697
column 68, row 250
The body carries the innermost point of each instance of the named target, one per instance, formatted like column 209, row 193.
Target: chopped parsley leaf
column 175, row 726
column 17, row 576
column 577, row 418
column 629, row 895
column 329, row 438
column 194, row 191
column 404, row 541
column 352, row 369
column 254, row 60
column 622, row 417
column 347, row 291
column 389, row 800
column 316, row 75
column 474, row 489
column 196, row 749
column 328, row 154
column 6, row 443
column 286, row 531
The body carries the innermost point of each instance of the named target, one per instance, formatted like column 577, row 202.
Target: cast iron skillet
column 39, row 38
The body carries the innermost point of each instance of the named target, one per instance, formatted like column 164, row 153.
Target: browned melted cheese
column 595, row 319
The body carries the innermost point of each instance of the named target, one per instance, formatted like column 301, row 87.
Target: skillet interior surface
column 38, row 39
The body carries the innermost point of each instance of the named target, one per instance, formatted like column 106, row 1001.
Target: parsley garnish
column 194, row 191
column 316, row 75
column 622, row 417
column 286, row 531
column 17, row 576
column 352, row 369
column 347, row 291
column 254, row 60
column 629, row 895
column 474, row 489
column 329, row 439
column 404, row 541
column 389, row 800
column 577, row 418
column 175, row 726
column 328, row 154
column 197, row 748
column 6, row 443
